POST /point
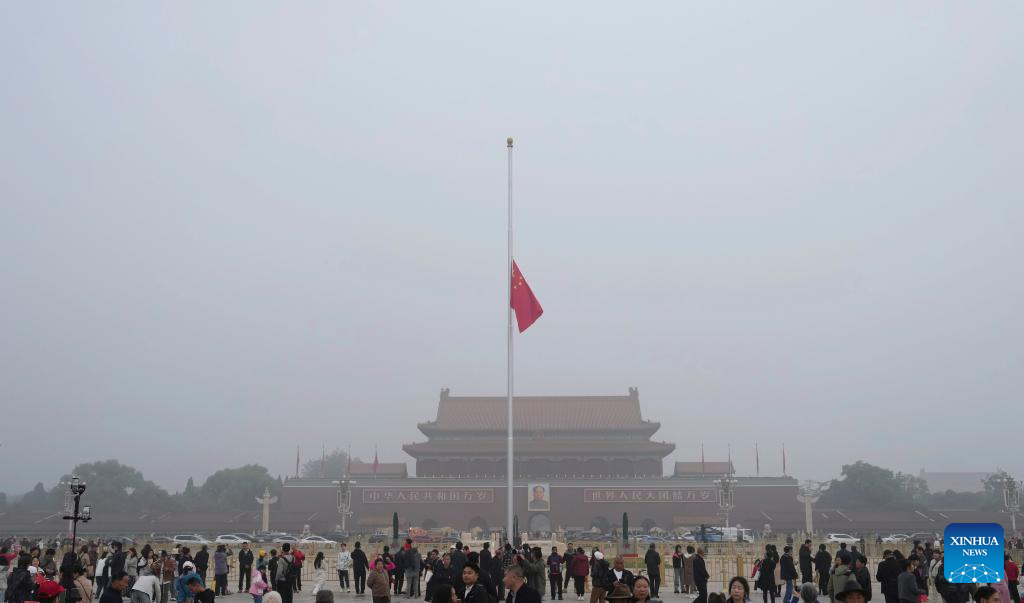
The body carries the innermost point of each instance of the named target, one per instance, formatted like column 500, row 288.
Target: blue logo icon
column 973, row 552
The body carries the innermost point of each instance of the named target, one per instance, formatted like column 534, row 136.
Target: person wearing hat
column 852, row 592
column 518, row 590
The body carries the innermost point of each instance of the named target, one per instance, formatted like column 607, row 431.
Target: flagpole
column 508, row 307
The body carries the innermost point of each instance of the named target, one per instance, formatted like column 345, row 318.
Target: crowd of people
column 524, row 574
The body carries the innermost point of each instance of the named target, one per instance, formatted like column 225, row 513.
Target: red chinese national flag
column 525, row 304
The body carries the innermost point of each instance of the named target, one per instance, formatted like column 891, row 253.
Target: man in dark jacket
column 359, row 566
column 653, row 562
column 700, row 576
column 244, row 567
column 907, row 581
column 863, row 574
column 554, row 563
column 787, row 571
column 20, row 585
column 570, row 551
column 887, row 575
column 458, row 562
column 398, row 574
column 806, row 563
column 117, row 588
column 518, row 590
column 202, row 562
column 823, row 565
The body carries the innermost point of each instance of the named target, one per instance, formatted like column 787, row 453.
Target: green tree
column 111, row 486
column 36, row 498
column 331, row 466
column 235, row 488
column 867, row 485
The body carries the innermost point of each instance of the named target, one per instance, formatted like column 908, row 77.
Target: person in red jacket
column 579, row 569
column 299, row 558
column 1012, row 576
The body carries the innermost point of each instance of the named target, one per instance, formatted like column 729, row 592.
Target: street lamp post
column 76, row 513
column 810, row 492
column 1011, row 499
column 726, row 495
column 344, row 500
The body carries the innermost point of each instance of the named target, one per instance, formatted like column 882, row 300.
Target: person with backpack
column 20, row 584
column 555, row 573
column 285, row 574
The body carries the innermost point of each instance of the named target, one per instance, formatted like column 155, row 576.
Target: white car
column 285, row 538
column 190, row 539
column 893, row 538
column 837, row 538
column 230, row 539
column 318, row 540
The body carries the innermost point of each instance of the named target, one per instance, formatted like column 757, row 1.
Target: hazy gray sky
column 229, row 228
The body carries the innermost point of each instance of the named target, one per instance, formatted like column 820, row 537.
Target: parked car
column 161, row 540
column 894, row 538
column 924, row 537
column 285, row 538
column 379, row 538
column 124, row 540
column 192, row 539
column 234, row 539
column 318, row 540
column 838, row 537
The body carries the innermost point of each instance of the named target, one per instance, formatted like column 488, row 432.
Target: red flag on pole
column 523, row 301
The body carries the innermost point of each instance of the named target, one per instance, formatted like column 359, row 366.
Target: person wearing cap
column 599, row 583
column 188, row 571
column 518, row 590
column 852, row 592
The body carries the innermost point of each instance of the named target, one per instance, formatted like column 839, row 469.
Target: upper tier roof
column 539, row 413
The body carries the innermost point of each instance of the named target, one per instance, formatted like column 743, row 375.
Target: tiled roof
column 388, row 469
column 706, row 468
column 539, row 413
column 541, row 447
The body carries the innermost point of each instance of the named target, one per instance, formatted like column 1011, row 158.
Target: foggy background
column 227, row 229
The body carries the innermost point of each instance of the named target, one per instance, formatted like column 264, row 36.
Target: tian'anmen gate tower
column 580, row 462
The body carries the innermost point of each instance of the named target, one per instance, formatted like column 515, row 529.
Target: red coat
column 1012, row 571
column 580, row 565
